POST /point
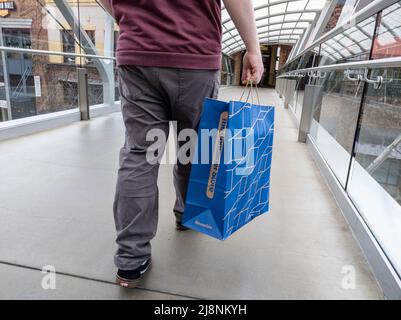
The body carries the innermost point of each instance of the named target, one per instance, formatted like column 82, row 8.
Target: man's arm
column 106, row 5
column 242, row 14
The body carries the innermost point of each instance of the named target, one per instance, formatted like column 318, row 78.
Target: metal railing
column 370, row 64
column 55, row 53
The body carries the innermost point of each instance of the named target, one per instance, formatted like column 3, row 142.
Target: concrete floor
column 56, row 193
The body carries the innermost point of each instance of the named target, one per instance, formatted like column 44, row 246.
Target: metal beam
column 80, row 33
column 370, row 64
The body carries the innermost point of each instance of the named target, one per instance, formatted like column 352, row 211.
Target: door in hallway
column 268, row 79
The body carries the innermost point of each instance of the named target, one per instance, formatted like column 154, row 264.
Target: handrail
column 370, row 64
column 370, row 10
column 54, row 53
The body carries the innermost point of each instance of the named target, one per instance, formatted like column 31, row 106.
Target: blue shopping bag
column 230, row 176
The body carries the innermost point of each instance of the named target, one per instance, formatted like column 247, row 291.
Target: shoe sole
column 130, row 284
column 180, row 227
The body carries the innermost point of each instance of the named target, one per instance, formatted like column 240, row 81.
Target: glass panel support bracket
column 377, row 83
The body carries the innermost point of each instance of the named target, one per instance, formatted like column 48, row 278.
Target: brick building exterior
column 40, row 25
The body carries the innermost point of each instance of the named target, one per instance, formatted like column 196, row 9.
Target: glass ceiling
column 278, row 21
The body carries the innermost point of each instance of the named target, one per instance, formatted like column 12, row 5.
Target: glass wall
column 388, row 40
column 354, row 44
column 35, row 84
column 334, row 120
column 357, row 121
column 375, row 180
column 378, row 147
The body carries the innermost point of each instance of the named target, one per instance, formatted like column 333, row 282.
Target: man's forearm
column 106, row 5
column 243, row 16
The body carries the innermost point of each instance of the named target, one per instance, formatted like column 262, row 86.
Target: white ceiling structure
column 278, row 21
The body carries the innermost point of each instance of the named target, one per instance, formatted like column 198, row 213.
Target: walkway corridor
column 56, row 193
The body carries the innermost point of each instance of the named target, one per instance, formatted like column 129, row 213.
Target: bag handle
column 250, row 94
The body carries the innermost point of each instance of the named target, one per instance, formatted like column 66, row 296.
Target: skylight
column 278, row 21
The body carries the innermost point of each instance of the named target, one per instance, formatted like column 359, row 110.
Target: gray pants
column 150, row 98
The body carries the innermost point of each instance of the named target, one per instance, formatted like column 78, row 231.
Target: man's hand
column 252, row 68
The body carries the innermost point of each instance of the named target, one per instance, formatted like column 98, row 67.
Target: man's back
column 169, row 33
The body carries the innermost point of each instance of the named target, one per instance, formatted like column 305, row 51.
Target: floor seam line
column 97, row 280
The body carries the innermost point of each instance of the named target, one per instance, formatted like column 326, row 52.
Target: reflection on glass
column 334, row 120
column 292, row 82
column 309, row 60
column 388, row 40
column 41, row 84
column 335, row 16
column 68, row 39
column 375, row 181
column 379, row 141
column 354, row 44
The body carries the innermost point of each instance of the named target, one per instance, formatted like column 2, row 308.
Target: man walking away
column 169, row 57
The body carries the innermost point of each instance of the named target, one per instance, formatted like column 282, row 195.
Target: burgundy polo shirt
column 169, row 33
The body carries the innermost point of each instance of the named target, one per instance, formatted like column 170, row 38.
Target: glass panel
column 38, row 87
column 388, row 42
column 354, row 44
column 335, row 118
column 375, row 181
column 291, row 83
column 309, row 60
column 335, row 16
column 48, row 83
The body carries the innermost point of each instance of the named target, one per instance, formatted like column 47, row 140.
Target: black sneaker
column 130, row 278
column 180, row 227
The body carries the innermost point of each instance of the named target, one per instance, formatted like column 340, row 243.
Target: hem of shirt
column 169, row 60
